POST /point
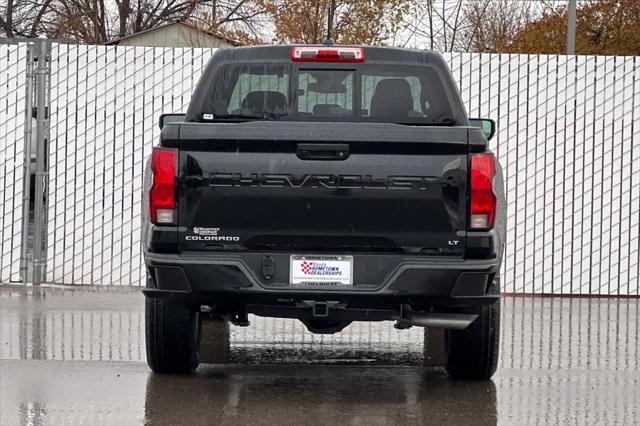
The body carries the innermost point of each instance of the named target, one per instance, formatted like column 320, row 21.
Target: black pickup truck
column 329, row 184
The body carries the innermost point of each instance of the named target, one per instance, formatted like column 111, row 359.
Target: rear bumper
column 200, row 277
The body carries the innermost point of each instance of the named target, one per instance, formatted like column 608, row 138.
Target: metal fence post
column 26, row 191
column 47, row 146
column 42, row 121
column 571, row 28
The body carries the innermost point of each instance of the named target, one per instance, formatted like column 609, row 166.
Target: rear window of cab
column 362, row 92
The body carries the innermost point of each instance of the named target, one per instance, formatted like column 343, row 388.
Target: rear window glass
column 325, row 93
column 369, row 92
column 370, row 84
column 253, row 84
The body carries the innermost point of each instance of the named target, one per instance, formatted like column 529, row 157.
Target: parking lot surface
column 77, row 356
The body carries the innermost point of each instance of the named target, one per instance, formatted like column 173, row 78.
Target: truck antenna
column 332, row 8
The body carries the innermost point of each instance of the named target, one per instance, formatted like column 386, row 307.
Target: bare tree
column 437, row 24
column 468, row 25
column 84, row 21
column 493, row 24
column 244, row 20
column 99, row 21
column 6, row 18
column 23, row 18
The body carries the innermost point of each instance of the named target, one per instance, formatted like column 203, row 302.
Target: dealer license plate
column 321, row 270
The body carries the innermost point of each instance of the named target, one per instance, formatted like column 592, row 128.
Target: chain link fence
column 106, row 102
column 568, row 133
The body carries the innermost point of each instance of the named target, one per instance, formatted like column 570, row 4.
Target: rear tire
column 472, row 354
column 172, row 336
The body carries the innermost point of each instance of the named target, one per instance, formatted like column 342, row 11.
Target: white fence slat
column 12, row 113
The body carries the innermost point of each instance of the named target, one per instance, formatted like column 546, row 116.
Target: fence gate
column 568, row 139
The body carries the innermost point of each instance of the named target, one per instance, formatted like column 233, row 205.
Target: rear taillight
column 162, row 203
column 482, row 206
column 327, row 54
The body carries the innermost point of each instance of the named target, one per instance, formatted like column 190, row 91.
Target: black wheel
column 173, row 336
column 472, row 354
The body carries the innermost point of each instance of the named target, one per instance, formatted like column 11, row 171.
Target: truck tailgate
column 348, row 192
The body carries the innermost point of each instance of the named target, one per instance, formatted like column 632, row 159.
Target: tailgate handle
column 322, row 151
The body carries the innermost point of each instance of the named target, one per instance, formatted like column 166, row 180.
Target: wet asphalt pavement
column 70, row 356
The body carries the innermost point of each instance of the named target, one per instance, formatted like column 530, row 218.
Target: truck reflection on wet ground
column 77, row 356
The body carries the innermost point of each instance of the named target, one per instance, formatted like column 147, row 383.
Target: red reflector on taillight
column 327, row 54
column 162, row 204
column 482, row 207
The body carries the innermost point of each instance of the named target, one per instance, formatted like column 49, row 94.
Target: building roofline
column 168, row 24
